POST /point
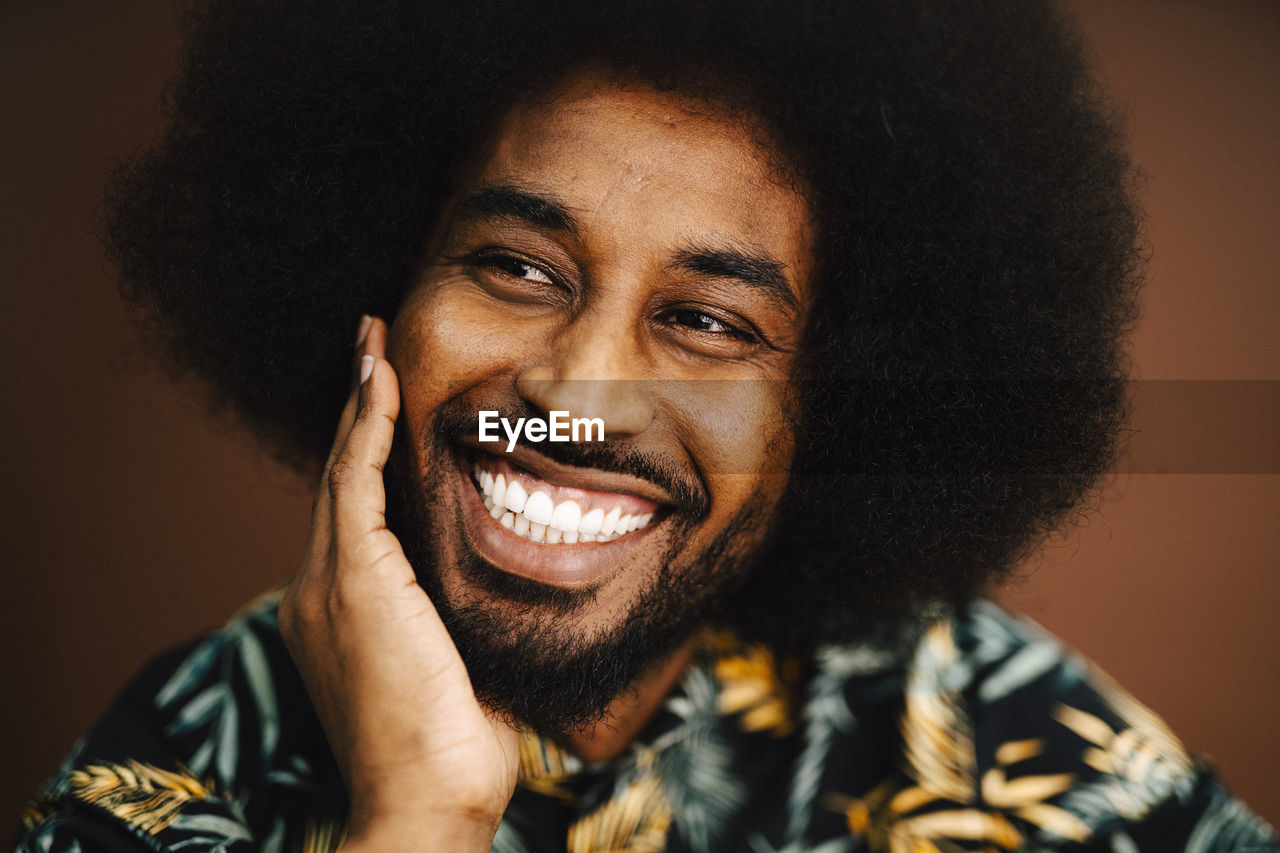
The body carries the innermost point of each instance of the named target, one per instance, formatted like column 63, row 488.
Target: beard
column 525, row 659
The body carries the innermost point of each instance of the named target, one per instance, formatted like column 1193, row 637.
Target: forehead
column 647, row 171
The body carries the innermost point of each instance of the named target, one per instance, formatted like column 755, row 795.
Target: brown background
column 129, row 522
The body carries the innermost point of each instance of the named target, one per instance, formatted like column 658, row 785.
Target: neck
column 629, row 713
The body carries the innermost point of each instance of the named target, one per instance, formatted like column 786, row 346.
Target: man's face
column 620, row 254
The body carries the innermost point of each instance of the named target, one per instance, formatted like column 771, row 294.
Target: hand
column 427, row 767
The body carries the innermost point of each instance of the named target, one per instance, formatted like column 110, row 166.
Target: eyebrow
column 506, row 202
column 757, row 270
column 503, row 202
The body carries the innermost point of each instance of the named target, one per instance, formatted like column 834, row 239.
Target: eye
column 517, row 268
column 697, row 320
column 701, row 321
column 512, row 278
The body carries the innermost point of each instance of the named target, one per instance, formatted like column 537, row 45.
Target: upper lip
column 587, row 479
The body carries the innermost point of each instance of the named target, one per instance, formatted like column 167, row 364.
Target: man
column 844, row 287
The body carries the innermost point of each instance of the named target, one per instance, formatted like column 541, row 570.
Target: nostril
column 622, row 404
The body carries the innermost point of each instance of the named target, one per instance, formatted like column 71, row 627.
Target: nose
column 592, row 370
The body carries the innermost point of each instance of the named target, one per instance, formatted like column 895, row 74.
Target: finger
column 348, row 416
column 355, row 479
column 372, row 344
column 320, row 510
column 371, row 340
column 375, row 342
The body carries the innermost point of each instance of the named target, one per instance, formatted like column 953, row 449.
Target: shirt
column 986, row 734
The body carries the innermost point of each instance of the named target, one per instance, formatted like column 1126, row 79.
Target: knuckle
column 295, row 616
column 336, row 603
column 299, row 599
column 362, row 403
column 339, row 475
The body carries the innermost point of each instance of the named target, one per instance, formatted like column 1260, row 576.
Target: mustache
column 687, row 489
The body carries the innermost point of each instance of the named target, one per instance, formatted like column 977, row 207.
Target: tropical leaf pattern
column 980, row 734
column 139, row 794
column 634, row 820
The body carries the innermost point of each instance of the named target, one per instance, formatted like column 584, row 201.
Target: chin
column 552, row 631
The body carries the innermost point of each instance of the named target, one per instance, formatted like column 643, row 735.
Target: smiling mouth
column 545, row 513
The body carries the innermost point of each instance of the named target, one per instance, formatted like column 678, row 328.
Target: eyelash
column 499, row 261
column 730, row 329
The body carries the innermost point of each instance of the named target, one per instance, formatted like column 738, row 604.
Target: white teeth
column 591, row 522
column 610, row 522
column 499, row 491
column 539, row 508
column 516, row 496
column 538, row 518
column 567, row 516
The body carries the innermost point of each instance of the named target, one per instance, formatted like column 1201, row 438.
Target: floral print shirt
column 987, row 736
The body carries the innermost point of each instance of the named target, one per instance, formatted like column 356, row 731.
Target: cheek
column 445, row 340
column 740, row 439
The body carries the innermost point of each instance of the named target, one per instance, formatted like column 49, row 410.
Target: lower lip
column 576, row 566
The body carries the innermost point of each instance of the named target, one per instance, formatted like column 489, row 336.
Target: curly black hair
column 976, row 269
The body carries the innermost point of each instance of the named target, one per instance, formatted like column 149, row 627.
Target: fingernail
column 366, row 368
column 365, row 322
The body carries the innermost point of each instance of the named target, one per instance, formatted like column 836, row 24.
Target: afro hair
column 962, row 370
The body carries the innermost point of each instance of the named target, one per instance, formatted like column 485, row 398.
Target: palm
column 421, row 756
